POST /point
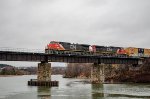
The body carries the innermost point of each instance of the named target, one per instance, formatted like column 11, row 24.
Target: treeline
column 76, row 70
column 11, row 70
column 58, row 70
column 129, row 73
column 8, row 72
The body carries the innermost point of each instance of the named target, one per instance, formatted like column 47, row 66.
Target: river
column 16, row 87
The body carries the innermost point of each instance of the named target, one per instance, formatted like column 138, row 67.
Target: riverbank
column 9, row 75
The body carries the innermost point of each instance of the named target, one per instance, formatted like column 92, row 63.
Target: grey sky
column 34, row 23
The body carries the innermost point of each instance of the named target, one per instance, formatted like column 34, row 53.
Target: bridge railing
column 9, row 49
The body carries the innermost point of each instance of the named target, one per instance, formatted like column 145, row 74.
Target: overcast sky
column 34, row 23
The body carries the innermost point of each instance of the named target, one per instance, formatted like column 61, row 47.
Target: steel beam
column 38, row 57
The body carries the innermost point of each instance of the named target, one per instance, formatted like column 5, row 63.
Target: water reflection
column 44, row 92
column 97, row 91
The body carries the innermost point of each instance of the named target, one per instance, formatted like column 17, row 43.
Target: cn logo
column 73, row 46
column 109, row 49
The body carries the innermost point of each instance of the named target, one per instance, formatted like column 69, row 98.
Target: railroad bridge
column 44, row 67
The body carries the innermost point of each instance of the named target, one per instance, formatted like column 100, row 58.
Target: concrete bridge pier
column 44, row 71
column 97, row 73
column 43, row 76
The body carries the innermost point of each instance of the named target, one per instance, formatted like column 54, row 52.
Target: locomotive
column 56, row 47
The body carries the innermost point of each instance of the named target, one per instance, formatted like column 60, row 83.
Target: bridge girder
column 42, row 57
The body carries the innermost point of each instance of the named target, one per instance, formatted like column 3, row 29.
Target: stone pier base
column 44, row 76
column 44, row 72
column 97, row 73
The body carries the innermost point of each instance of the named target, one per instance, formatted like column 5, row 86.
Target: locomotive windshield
column 53, row 42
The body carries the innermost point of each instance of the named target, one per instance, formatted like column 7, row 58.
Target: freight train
column 56, row 47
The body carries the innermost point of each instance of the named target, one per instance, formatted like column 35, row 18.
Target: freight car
column 55, row 47
column 137, row 52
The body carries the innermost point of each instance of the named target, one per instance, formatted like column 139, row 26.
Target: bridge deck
column 38, row 57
